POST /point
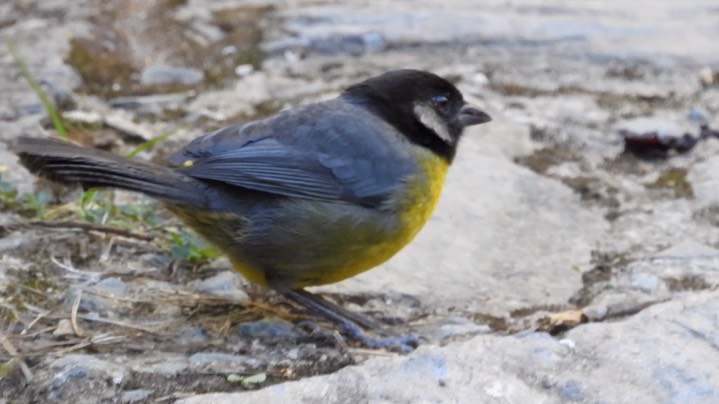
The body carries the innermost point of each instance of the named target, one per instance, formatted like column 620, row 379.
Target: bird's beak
column 471, row 115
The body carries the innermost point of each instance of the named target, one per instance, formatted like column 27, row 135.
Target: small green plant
column 94, row 205
column 7, row 367
column 188, row 246
column 31, row 206
column 247, row 382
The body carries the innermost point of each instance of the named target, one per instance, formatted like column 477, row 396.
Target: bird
column 309, row 196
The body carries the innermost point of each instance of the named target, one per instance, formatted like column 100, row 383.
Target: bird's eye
column 440, row 103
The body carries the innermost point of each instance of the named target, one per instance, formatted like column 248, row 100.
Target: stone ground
column 557, row 268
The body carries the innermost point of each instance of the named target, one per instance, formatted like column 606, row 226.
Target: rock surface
column 665, row 354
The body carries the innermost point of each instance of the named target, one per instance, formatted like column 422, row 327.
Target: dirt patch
column 687, row 282
column 673, row 183
column 128, row 37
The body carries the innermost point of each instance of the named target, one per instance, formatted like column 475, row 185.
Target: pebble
column 204, row 360
column 699, row 115
column 64, row 327
column 158, row 75
column 596, row 312
column 707, row 76
column 244, row 70
column 567, row 343
column 210, row 33
column 73, row 366
column 548, row 381
column 267, row 330
column 91, row 118
column 112, row 286
column 573, row 390
column 193, row 336
column 335, row 44
column 12, row 241
column 130, row 130
column 66, row 375
column 134, row 396
column 480, row 79
column 225, row 284
column 88, row 302
column 645, row 282
column 166, row 365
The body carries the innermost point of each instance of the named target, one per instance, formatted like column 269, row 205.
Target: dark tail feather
column 65, row 162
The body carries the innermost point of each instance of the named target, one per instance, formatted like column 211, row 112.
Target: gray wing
column 325, row 152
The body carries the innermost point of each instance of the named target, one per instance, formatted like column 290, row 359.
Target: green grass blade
column 151, row 142
column 47, row 103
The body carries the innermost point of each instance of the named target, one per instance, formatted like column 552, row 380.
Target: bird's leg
column 350, row 323
column 317, row 300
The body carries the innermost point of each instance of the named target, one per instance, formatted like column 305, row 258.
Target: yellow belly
column 415, row 206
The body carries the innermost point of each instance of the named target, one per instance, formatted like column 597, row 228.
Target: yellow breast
column 422, row 195
column 415, row 205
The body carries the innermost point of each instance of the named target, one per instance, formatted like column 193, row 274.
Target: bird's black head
column 424, row 107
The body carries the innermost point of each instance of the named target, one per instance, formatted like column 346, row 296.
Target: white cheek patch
column 433, row 121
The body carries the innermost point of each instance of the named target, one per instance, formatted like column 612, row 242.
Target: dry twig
column 79, row 225
column 73, row 315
